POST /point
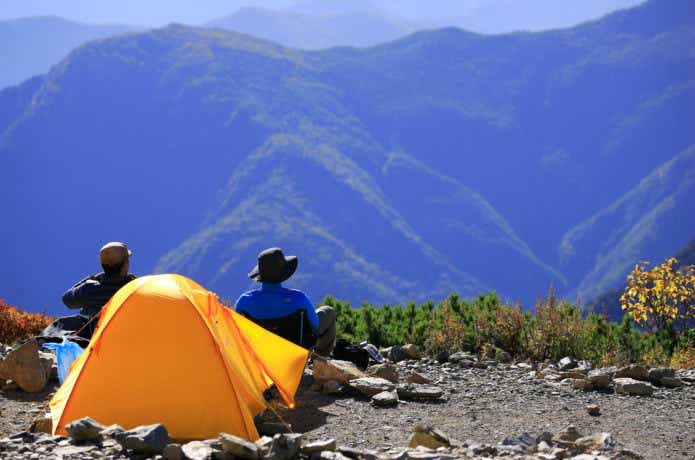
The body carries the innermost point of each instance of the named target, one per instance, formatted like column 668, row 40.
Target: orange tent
column 165, row 350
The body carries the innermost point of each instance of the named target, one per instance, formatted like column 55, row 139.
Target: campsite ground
column 486, row 405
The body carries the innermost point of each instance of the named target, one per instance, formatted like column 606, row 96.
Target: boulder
column 581, row 384
column 319, row 446
column 598, row 441
column 385, row 399
column 427, row 436
column 462, row 357
column 411, row 351
column 385, row 371
column 442, row 357
column 173, row 452
column 197, row 450
column 116, row 432
column 601, row 378
column 239, row 447
column 633, row 371
column 333, row 369
column 655, row 374
column 568, row 434
column 284, row 446
column 566, row 363
column 84, row 429
column 358, row 454
column 414, row 391
column 630, row 386
column 670, row 382
column 416, row 377
column 573, row 374
column 28, row 367
column 394, row 354
column 331, row 387
column 147, row 439
column 42, row 424
column 369, row 386
column 518, row 445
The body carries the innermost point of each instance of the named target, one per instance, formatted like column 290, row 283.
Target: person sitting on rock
column 93, row 292
column 272, row 304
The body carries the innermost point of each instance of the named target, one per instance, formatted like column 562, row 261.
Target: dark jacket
column 93, row 292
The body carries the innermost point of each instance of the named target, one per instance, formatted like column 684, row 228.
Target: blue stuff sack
column 66, row 353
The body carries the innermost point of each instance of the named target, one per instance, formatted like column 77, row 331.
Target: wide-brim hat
column 273, row 266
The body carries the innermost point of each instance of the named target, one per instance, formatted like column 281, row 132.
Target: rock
column 358, row 454
column 568, row 434
column 331, row 387
column 461, row 357
column 84, row 429
column 567, row 363
column 333, row 369
column 385, row 399
column 394, row 354
column 9, row 385
column 173, row 452
column 385, row 371
column 601, row 378
column 633, row 371
column 147, row 439
column 411, row 351
column 28, row 367
column 273, row 428
column 416, row 377
column 264, row 443
column 521, row 445
column 593, row 409
column 369, row 386
column 687, row 375
column 197, row 450
column 414, row 391
column 239, row 447
column 284, row 446
column 655, row 374
column 630, row 386
column 318, row 446
column 503, row 356
column 42, row 424
column 573, row 374
column 442, row 357
column 116, row 432
column 670, row 382
column 598, row 441
column 329, row 455
column 72, row 451
column 581, row 384
column 427, row 436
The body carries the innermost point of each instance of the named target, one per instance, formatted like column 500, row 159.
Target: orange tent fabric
column 165, row 350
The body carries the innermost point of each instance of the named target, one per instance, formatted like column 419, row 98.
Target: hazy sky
column 484, row 15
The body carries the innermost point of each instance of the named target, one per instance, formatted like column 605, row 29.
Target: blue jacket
column 275, row 301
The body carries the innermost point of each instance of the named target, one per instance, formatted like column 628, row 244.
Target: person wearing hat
column 93, row 292
column 272, row 300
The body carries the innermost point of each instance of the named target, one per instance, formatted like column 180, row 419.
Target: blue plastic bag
column 66, row 353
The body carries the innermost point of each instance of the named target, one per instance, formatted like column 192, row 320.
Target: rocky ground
column 509, row 410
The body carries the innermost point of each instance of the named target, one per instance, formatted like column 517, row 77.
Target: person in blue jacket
column 273, row 301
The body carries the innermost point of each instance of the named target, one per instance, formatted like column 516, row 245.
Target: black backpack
column 346, row 351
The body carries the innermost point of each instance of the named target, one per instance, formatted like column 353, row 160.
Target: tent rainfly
column 165, row 350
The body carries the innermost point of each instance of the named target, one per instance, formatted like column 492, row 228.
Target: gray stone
column 84, row 429
column 671, row 382
column 567, row 363
column 358, row 454
column 568, row 434
column 413, row 391
column 28, row 367
column 264, row 443
column 581, row 384
column 333, row 369
column 319, row 446
column 630, row 386
column 369, row 386
column 330, row 455
column 385, row 399
column 633, row 371
column 173, row 452
column 115, row 432
column 521, row 444
column 239, row 447
column 147, row 439
column 331, row 387
column 593, row 409
column 284, row 446
column 573, row 374
column 460, row 356
column 416, row 377
column 385, row 371
column 655, row 374
column 197, row 450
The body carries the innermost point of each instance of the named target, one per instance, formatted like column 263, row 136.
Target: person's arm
column 240, row 304
column 85, row 294
column 310, row 312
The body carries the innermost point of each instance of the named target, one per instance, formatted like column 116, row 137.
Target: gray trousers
column 325, row 343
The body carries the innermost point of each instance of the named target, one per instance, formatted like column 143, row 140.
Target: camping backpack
column 346, row 351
